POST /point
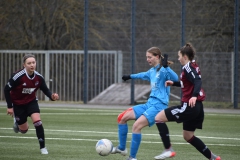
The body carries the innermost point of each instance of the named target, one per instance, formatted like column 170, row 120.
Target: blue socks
column 122, row 136
column 136, row 140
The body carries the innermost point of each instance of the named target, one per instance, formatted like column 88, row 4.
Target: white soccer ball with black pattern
column 104, row 147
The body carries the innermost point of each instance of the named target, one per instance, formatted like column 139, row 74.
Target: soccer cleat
column 130, row 158
column 116, row 150
column 214, row 157
column 44, row 150
column 167, row 153
column 15, row 127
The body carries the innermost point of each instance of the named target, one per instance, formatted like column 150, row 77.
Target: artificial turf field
column 71, row 134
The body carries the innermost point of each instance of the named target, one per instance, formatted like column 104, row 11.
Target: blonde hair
column 157, row 52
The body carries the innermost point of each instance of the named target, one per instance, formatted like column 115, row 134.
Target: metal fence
column 63, row 71
column 131, row 26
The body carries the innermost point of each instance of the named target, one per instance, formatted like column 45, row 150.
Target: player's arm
column 194, row 77
column 47, row 92
column 170, row 74
column 172, row 83
column 142, row 75
column 7, row 89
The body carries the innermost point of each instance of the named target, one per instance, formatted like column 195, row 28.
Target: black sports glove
column 164, row 61
column 126, row 77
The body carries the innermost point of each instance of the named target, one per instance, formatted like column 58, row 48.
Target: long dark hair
column 188, row 50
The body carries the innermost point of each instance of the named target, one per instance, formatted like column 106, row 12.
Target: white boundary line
column 111, row 113
column 115, row 133
column 95, row 140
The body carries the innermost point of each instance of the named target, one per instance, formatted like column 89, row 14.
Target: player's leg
column 189, row 128
column 160, row 120
column 140, row 123
column 129, row 114
column 123, row 131
column 20, row 119
column 15, row 125
column 39, row 132
column 199, row 145
column 34, row 113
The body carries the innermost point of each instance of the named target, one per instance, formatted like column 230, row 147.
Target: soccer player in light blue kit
column 144, row 114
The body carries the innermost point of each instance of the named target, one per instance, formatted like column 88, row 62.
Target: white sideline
column 114, row 133
column 95, row 140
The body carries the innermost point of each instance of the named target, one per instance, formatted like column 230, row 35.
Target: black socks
column 200, row 146
column 40, row 133
column 164, row 134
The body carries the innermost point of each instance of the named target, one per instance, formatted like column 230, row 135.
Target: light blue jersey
column 159, row 96
column 157, row 101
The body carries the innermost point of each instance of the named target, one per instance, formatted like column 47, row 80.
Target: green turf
column 71, row 134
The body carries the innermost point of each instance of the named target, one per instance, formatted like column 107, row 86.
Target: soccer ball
column 104, row 147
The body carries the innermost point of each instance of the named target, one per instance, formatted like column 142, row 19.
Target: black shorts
column 22, row 112
column 191, row 117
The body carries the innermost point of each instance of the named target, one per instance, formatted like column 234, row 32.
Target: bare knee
column 140, row 123
column 136, row 128
column 187, row 135
column 23, row 128
column 23, row 131
column 125, row 116
column 161, row 117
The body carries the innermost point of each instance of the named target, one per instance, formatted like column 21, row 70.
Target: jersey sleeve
column 177, row 84
column 141, row 75
column 45, row 89
column 171, row 75
column 7, row 89
column 194, row 78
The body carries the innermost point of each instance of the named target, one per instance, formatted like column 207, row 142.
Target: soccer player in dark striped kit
column 190, row 113
column 20, row 94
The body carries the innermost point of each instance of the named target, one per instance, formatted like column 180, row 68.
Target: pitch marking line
column 109, row 113
column 95, row 140
column 115, row 133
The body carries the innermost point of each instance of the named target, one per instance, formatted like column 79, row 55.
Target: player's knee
column 23, row 131
column 121, row 117
column 37, row 123
column 188, row 137
column 136, row 128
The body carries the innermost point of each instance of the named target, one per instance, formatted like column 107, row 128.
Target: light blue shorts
column 149, row 110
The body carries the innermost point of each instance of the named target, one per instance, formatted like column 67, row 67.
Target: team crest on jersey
column 28, row 90
column 36, row 83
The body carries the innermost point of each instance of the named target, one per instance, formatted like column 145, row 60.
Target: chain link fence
column 168, row 24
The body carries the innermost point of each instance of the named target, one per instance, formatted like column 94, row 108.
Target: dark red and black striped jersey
column 21, row 89
column 191, row 83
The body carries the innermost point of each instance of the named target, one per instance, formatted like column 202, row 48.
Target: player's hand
column 55, row 96
column 192, row 101
column 164, row 61
column 126, row 77
column 10, row 111
column 168, row 83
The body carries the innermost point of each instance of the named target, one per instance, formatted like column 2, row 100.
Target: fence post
column 236, row 28
column 47, row 63
column 119, row 66
column 85, row 84
column 133, row 48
